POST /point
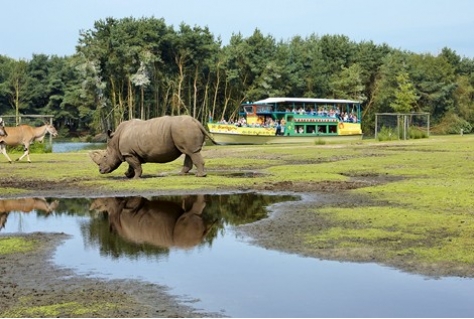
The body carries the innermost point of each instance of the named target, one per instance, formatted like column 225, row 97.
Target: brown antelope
column 24, row 135
column 2, row 128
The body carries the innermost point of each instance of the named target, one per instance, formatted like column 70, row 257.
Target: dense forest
column 142, row 68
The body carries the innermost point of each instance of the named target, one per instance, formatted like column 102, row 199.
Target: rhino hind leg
column 134, row 167
column 188, row 164
column 198, row 160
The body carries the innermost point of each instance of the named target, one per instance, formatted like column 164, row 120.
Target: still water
column 139, row 238
column 62, row 147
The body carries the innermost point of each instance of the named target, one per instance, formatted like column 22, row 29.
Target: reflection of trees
column 97, row 232
column 74, row 206
column 221, row 210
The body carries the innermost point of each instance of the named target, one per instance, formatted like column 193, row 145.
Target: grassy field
column 423, row 213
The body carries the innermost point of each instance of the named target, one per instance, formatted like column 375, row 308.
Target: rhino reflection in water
column 156, row 222
column 24, row 205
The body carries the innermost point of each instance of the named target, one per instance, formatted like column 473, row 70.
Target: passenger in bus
column 345, row 117
column 353, row 118
column 301, row 130
column 278, row 128
column 283, row 124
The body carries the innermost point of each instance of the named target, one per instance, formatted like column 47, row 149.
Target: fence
column 402, row 125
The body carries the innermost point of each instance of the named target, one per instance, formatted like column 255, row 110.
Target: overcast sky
column 52, row 27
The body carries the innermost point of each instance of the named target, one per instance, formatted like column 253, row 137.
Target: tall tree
column 405, row 95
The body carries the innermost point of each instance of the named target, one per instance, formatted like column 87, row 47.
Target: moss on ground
column 10, row 245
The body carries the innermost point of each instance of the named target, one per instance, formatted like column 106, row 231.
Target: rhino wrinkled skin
column 158, row 140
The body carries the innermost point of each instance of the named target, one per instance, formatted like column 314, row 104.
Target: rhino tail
column 207, row 134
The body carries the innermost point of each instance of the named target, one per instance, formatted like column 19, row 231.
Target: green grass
column 423, row 213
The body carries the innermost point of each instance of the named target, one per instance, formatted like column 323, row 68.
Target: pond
column 130, row 238
column 63, row 147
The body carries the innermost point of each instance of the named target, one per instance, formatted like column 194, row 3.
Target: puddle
column 134, row 238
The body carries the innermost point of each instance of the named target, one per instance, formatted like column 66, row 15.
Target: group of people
column 322, row 111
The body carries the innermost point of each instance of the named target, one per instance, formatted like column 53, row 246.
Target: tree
column 435, row 81
column 15, row 85
column 405, row 95
column 347, row 84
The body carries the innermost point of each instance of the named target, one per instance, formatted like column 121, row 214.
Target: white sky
column 423, row 26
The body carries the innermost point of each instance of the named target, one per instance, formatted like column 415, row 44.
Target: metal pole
column 376, row 116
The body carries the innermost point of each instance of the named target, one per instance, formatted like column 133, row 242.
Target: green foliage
column 415, row 133
column 452, row 124
column 142, row 68
column 405, row 96
column 34, row 148
column 387, row 134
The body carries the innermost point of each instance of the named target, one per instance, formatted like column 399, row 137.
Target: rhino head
column 107, row 161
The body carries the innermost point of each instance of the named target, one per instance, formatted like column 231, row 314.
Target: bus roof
column 303, row 100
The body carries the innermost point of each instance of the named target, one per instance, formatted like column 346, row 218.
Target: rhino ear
column 110, row 134
column 97, row 156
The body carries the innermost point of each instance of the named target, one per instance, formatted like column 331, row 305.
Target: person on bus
column 278, row 128
column 283, row 124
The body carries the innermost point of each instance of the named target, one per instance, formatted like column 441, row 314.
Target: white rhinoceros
column 158, row 140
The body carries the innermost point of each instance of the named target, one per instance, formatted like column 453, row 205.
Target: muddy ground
column 30, row 279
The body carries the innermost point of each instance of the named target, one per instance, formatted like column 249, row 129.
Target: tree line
column 142, row 68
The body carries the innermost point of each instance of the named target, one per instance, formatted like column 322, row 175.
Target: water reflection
column 235, row 278
column 135, row 226
column 25, row 205
column 161, row 223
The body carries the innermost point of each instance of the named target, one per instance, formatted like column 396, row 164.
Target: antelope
column 24, row 135
column 2, row 128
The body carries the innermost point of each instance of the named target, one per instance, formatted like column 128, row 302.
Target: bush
column 387, row 134
column 451, row 123
column 34, row 148
column 416, row 133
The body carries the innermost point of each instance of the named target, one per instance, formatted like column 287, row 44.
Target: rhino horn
column 97, row 156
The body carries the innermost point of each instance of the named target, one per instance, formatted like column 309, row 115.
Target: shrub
column 451, row 123
column 387, row 134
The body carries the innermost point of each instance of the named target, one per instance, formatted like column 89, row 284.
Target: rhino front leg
column 130, row 173
column 134, row 167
